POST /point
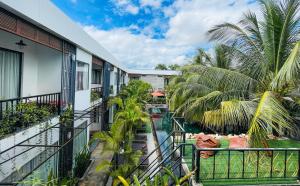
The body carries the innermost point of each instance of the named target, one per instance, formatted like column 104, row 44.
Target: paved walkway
column 94, row 178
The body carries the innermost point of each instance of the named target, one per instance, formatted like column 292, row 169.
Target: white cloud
column 194, row 18
column 189, row 21
column 125, row 6
column 132, row 9
column 151, row 3
column 73, row 1
column 137, row 51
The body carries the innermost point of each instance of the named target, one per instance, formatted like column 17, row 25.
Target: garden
column 249, row 86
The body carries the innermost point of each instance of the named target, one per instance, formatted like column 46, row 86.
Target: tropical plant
column 162, row 179
column 130, row 113
column 82, row 161
column 52, row 180
column 94, row 96
column 161, row 67
column 111, row 89
column 137, row 89
column 66, row 118
column 24, row 115
column 258, row 93
column 118, row 140
column 221, row 57
column 174, row 67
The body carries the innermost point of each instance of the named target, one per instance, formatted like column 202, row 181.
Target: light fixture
column 21, row 44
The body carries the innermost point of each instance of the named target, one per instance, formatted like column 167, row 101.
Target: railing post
column 197, row 166
column 1, row 111
column 116, row 160
column 181, row 151
column 184, row 140
column 59, row 104
column 193, row 157
column 299, row 165
column 173, row 141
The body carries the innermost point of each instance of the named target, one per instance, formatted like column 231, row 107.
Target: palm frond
column 116, row 101
column 196, row 110
column 269, row 114
column 232, row 112
column 290, row 71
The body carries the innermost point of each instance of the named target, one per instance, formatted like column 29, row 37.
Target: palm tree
column 267, row 57
column 161, row 67
column 221, row 58
column 118, row 140
column 138, row 90
column 261, row 47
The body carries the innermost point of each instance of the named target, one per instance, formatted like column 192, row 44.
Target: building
column 157, row 78
column 49, row 64
column 48, row 60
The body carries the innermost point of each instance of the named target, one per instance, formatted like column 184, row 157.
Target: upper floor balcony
column 17, row 114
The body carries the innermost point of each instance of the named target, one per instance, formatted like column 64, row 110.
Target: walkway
column 95, row 178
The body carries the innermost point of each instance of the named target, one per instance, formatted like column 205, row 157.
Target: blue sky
column 143, row 33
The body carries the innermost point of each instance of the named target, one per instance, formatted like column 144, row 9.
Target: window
column 116, row 78
column 82, row 76
column 10, row 73
column 96, row 77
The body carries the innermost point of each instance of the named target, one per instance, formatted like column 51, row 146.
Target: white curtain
column 82, row 76
column 9, row 74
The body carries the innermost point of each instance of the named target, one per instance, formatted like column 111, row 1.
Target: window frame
column 21, row 61
column 88, row 76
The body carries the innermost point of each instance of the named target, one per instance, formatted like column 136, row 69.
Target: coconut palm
column 221, row 57
column 136, row 89
column 262, row 46
column 267, row 56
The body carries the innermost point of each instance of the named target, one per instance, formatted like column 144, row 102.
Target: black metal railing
column 158, row 101
column 9, row 106
column 96, row 93
column 46, row 140
column 166, row 154
column 226, row 164
column 247, row 163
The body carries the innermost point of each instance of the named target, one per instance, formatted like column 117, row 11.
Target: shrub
column 24, row 115
column 82, row 161
column 94, row 96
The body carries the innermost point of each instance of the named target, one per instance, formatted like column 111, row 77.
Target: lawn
column 257, row 169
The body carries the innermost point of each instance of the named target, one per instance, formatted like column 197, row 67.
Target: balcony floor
column 93, row 177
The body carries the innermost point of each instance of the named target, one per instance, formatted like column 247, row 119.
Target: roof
column 154, row 72
column 46, row 15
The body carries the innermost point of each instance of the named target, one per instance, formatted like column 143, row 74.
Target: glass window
column 96, row 77
column 10, row 73
column 116, row 78
column 82, row 76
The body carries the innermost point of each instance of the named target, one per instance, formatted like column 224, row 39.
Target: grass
column 229, row 171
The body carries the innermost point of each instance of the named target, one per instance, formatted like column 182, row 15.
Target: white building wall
column 113, row 81
column 157, row 82
column 49, row 70
column 82, row 97
column 51, row 137
column 41, row 68
column 126, row 79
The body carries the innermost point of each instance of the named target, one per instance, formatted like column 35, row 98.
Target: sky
column 144, row 33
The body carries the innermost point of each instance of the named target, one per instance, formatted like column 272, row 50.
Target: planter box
column 87, row 170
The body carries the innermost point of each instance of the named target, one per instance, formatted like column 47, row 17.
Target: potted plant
column 82, row 163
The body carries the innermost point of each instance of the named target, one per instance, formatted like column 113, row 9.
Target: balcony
column 20, row 113
column 96, row 94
